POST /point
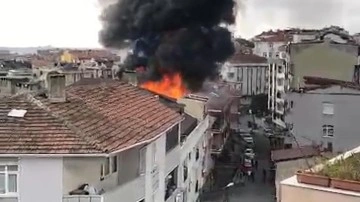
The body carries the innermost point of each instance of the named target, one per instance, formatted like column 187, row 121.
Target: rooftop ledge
column 292, row 181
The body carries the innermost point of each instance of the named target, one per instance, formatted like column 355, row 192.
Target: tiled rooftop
column 96, row 118
column 246, row 58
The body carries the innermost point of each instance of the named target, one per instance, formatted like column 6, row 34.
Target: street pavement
column 258, row 191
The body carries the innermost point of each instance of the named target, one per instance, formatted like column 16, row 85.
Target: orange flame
column 171, row 85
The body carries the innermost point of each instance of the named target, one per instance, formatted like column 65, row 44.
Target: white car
column 248, row 139
column 250, row 153
column 247, row 163
column 245, row 135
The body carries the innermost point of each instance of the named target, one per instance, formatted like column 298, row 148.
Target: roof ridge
column 81, row 135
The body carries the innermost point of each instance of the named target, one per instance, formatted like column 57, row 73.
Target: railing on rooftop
column 82, row 198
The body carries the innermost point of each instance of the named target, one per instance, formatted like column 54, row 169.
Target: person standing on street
column 264, row 175
column 252, row 176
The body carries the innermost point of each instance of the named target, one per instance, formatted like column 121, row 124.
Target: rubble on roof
column 240, row 58
column 313, row 83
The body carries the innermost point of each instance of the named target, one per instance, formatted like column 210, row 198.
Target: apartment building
column 87, row 142
column 313, row 73
column 247, row 72
column 278, row 86
column 267, row 44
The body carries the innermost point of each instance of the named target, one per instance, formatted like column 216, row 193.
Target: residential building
column 324, row 113
column 292, row 190
column 333, row 60
column 278, row 85
column 81, row 56
column 288, row 161
column 324, row 58
column 248, row 72
column 106, row 141
column 267, row 43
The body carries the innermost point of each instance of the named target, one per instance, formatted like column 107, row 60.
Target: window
column 230, row 75
column 185, row 168
column 271, row 45
column 264, row 54
column 328, row 130
column 154, row 152
column 270, row 54
column 291, row 104
column 142, row 160
column 8, row 179
column 107, row 166
column 328, row 108
column 197, row 155
column 197, row 186
column 277, row 54
column 114, row 164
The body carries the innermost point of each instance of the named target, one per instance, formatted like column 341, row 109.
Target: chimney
column 130, row 77
column 56, row 87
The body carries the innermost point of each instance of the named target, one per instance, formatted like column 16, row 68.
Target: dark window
column 114, row 164
column 197, row 186
column 172, row 138
column 185, row 173
column 291, row 104
column 197, row 154
column 330, row 146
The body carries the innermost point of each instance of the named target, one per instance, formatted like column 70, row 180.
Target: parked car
column 268, row 134
column 247, row 163
column 244, row 135
column 249, row 153
column 249, row 140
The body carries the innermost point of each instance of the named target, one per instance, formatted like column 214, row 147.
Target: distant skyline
column 75, row 23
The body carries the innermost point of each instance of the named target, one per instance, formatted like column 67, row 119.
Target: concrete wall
column 41, row 179
column 195, row 108
column 133, row 190
column 287, row 169
column 327, row 60
column 155, row 171
column 307, row 117
column 264, row 47
column 251, row 76
column 301, row 194
column 78, row 171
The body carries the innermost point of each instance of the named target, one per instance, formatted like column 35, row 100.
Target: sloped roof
column 294, row 153
column 246, row 58
column 96, row 118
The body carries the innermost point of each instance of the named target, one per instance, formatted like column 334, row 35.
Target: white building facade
column 248, row 73
column 279, row 85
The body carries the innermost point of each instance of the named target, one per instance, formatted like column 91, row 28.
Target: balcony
column 280, row 107
column 218, row 126
column 82, row 198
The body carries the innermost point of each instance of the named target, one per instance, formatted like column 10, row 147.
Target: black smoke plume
column 169, row 36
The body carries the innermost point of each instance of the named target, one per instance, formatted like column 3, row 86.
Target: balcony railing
column 83, row 198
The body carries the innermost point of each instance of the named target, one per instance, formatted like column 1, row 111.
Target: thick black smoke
column 171, row 35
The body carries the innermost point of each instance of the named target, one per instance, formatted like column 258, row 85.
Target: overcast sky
column 74, row 23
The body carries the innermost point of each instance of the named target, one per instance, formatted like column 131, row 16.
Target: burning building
column 178, row 42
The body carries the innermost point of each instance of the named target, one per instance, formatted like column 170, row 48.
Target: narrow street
column 258, row 191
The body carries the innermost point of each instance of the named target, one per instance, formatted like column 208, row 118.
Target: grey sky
column 265, row 14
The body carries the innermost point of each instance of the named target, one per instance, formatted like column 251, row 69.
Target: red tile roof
column 295, row 153
column 246, row 58
column 99, row 118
